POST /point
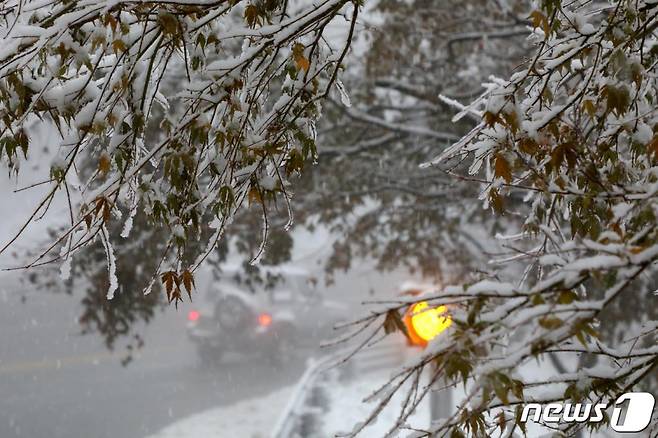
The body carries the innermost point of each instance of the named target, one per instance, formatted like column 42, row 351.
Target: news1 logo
column 639, row 409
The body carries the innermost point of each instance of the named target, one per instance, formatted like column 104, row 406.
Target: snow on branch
column 574, row 133
column 182, row 110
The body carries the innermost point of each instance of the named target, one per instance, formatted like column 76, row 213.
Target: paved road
column 55, row 383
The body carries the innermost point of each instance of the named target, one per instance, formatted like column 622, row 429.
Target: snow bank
column 255, row 418
column 252, row 418
column 346, row 407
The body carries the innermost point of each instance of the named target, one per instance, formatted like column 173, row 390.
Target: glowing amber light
column 424, row 323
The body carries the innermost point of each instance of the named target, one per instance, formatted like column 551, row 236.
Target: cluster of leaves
column 236, row 123
column 173, row 281
column 573, row 133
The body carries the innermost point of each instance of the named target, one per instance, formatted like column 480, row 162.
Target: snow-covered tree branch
column 173, row 115
column 188, row 150
column 573, row 132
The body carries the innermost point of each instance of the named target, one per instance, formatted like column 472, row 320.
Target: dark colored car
column 275, row 322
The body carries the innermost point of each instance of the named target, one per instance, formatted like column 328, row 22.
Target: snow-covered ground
column 333, row 403
column 255, row 418
column 252, row 418
column 346, row 407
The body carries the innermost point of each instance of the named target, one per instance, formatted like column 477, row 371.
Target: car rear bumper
column 257, row 339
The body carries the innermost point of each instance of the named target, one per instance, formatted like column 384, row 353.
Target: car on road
column 274, row 322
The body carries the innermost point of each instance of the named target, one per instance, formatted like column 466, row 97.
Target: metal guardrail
column 287, row 423
column 387, row 354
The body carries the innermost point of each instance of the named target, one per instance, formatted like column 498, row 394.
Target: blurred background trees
column 369, row 183
column 365, row 184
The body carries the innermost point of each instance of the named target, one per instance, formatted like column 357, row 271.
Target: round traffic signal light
column 424, row 322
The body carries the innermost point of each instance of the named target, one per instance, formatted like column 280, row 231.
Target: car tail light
column 264, row 319
column 193, row 316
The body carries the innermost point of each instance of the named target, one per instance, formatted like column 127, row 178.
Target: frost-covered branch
column 187, row 149
column 574, row 134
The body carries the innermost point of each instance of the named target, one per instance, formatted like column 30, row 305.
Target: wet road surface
column 55, row 383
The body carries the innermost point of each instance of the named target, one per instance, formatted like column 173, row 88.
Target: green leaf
column 567, row 297
column 618, row 99
column 551, row 322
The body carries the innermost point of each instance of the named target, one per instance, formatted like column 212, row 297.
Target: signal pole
column 440, row 400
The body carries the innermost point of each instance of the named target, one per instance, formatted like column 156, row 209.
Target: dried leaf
column 104, row 164
column 502, row 168
column 567, row 297
column 528, row 146
column 496, row 201
column 538, row 19
column 106, row 211
column 118, row 46
column 501, row 392
column 168, row 22
column 618, row 99
column 501, row 421
column 393, row 322
column 301, row 61
column 99, row 206
column 188, row 282
column 557, row 157
column 254, row 196
column 512, row 121
column 168, row 282
column 251, row 15
column 490, row 118
column 652, row 146
column 303, row 64
column 109, row 19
